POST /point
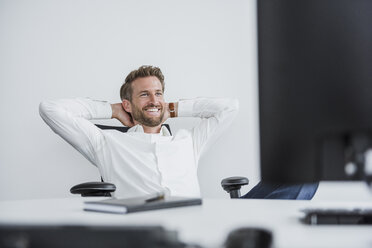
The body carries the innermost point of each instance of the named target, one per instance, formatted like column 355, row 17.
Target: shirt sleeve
column 216, row 115
column 69, row 118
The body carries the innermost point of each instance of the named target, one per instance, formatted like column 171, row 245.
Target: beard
column 140, row 116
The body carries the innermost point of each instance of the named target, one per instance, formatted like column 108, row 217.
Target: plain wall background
column 84, row 48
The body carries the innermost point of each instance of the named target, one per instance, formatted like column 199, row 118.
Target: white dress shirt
column 136, row 162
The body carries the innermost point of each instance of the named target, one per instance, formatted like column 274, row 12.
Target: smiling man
column 147, row 158
column 142, row 100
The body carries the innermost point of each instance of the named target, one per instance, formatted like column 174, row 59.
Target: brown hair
column 126, row 90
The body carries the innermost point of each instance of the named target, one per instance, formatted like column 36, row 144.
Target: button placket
column 158, row 163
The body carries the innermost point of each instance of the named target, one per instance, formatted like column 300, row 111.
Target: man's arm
column 69, row 118
column 216, row 115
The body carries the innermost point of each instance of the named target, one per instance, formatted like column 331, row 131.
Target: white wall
column 63, row 49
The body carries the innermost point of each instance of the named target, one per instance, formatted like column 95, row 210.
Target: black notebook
column 130, row 205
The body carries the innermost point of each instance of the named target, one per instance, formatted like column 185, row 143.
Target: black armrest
column 233, row 184
column 93, row 189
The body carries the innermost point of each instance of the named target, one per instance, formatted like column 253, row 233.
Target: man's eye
column 159, row 94
column 144, row 94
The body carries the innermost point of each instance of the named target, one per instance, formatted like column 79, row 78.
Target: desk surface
column 206, row 225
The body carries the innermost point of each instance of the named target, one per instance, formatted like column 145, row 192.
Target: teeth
column 152, row 110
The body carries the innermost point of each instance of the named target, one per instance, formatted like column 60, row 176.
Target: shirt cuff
column 185, row 108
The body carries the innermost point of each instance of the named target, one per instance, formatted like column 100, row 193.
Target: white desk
column 207, row 225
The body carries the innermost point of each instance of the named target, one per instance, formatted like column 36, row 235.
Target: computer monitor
column 315, row 89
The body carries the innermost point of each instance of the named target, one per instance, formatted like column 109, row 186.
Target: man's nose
column 152, row 98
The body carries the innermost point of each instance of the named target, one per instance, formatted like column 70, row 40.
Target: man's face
column 147, row 105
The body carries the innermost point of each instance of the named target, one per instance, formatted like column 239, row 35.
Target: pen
column 159, row 196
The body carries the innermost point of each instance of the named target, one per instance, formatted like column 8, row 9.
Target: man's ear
column 127, row 106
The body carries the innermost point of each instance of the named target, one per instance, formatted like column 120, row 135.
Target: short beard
column 139, row 116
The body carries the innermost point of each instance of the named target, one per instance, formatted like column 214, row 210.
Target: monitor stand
column 338, row 216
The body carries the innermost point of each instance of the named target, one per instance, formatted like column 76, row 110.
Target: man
column 147, row 158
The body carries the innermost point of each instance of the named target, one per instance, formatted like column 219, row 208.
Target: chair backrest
column 125, row 129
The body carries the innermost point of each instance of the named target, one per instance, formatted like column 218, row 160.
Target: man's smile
column 153, row 111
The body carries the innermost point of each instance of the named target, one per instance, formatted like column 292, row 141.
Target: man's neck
column 147, row 129
column 151, row 129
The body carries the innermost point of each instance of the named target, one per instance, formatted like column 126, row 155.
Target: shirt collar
column 139, row 129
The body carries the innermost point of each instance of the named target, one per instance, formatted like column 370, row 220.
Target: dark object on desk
column 131, row 205
column 249, row 237
column 338, row 216
column 87, row 237
column 93, row 189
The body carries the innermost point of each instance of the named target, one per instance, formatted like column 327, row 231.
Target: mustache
column 153, row 106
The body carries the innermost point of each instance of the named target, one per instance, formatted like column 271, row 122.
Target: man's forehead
column 146, row 84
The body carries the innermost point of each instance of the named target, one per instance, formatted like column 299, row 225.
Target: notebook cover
column 130, row 205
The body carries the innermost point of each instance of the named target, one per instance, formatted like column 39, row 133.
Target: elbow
column 47, row 108
column 43, row 107
column 233, row 106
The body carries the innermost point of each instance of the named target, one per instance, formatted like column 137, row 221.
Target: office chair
column 232, row 184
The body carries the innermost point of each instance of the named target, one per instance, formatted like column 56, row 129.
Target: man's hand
column 120, row 114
